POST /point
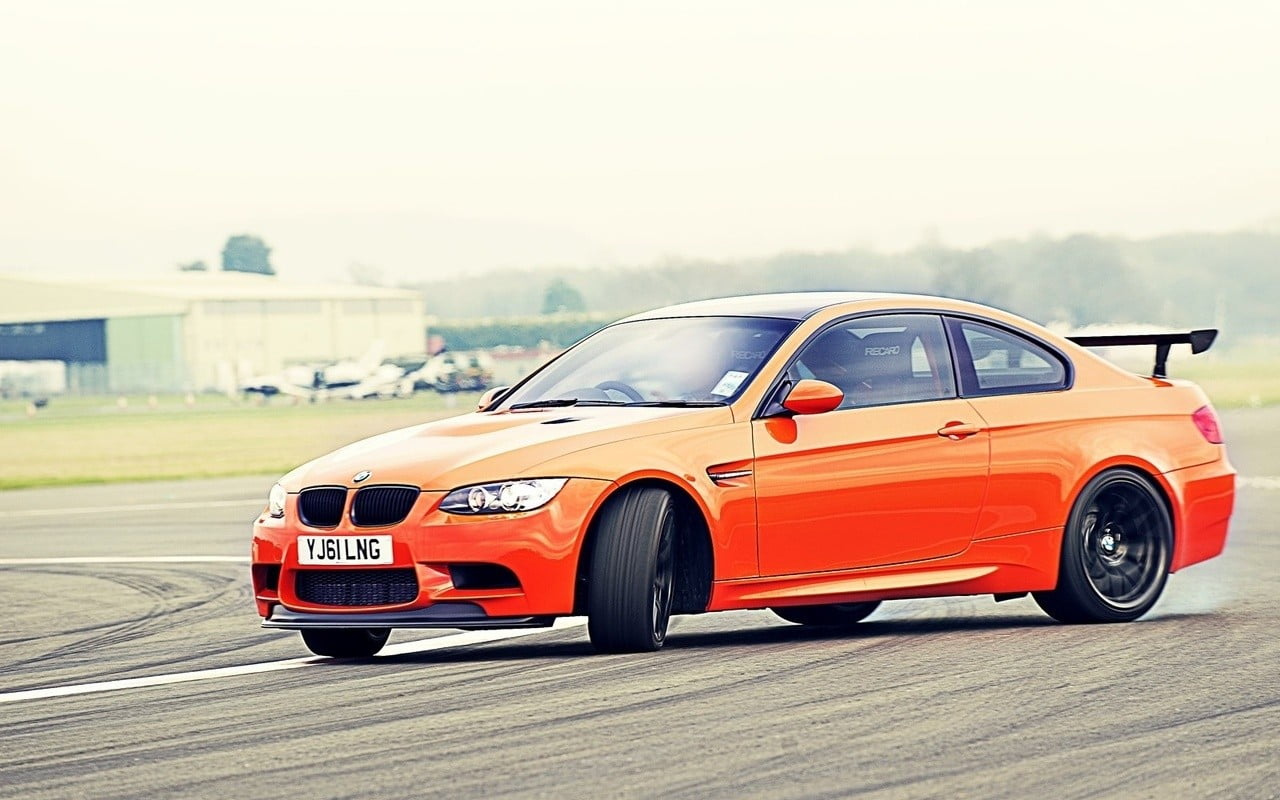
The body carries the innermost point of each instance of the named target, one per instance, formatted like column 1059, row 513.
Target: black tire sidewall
column 345, row 642
column 832, row 615
column 623, row 566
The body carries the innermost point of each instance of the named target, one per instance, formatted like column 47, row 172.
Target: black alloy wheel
column 834, row 615
column 664, row 579
column 1116, row 550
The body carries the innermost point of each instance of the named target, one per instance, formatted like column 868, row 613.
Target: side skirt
column 1025, row 562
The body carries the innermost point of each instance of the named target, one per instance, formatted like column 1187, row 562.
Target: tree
column 1080, row 280
column 561, row 296
column 1185, row 280
column 193, row 266
column 967, row 275
column 246, row 253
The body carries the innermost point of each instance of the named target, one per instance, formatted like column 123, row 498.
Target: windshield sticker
column 729, row 383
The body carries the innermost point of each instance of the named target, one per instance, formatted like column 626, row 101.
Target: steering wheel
column 621, row 388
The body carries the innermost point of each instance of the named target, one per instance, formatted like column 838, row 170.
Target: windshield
column 674, row 361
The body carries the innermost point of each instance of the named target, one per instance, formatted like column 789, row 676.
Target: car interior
column 877, row 365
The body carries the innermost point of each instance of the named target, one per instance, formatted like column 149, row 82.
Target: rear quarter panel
column 1045, row 447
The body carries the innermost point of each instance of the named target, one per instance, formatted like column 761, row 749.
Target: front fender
column 681, row 458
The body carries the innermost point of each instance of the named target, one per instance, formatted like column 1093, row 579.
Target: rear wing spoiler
column 1200, row 341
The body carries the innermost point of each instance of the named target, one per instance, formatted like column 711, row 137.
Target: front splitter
column 440, row 615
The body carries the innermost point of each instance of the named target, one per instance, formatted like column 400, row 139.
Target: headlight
column 503, row 498
column 275, row 501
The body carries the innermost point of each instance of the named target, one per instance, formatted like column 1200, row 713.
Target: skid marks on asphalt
column 147, row 601
column 437, row 643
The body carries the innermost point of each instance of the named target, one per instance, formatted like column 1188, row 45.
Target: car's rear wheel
column 632, row 578
column 345, row 642
column 835, row 615
column 1116, row 549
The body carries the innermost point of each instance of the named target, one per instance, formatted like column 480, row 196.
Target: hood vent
column 560, row 421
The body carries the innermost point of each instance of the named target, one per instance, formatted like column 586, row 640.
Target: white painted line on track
column 56, row 512
column 420, row 646
column 44, row 562
column 1259, row 482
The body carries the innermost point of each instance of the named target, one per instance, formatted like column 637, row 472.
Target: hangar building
column 197, row 331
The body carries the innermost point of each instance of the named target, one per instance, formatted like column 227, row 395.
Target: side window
column 897, row 358
column 1001, row 362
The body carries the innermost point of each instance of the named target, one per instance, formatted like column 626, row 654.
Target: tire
column 1116, row 550
column 835, row 615
column 345, row 642
column 632, row 579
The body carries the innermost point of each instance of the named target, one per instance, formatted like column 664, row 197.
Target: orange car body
column 959, row 496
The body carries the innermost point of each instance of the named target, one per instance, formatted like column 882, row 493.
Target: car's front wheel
column 1115, row 552
column 835, row 615
column 632, row 579
column 345, row 642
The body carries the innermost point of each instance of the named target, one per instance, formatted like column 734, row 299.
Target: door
column 1017, row 384
column 896, row 474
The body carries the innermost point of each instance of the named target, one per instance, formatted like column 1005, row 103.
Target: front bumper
column 541, row 548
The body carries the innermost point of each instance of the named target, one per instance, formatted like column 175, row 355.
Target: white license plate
column 344, row 549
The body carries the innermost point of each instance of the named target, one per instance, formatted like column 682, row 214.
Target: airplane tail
column 372, row 357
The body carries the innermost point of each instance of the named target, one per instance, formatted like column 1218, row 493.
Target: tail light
column 1207, row 421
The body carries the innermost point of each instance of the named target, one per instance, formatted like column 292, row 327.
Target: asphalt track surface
column 941, row 698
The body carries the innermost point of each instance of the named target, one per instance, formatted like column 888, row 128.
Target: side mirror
column 491, row 397
column 813, row 397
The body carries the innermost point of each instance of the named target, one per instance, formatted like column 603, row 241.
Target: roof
column 219, row 285
column 788, row 305
column 25, row 299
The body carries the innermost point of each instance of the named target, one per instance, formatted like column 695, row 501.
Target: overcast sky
column 430, row 139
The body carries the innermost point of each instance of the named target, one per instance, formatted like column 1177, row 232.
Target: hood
column 480, row 447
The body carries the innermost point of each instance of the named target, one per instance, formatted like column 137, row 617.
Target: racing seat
column 881, row 369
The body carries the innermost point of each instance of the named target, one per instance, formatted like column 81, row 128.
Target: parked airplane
column 312, row 382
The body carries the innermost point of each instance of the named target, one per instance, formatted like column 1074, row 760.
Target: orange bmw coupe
column 813, row 454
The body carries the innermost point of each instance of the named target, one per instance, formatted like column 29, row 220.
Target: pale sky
column 430, row 139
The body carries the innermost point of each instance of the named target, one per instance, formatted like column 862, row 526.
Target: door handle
column 956, row 431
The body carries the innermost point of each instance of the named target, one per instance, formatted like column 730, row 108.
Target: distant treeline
column 1194, row 279
column 558, row 330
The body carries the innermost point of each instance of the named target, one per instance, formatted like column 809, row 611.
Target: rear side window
column 996, row 361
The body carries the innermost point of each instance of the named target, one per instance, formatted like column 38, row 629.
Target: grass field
column 1235, row 385
column 95, row 440
column 92, row 440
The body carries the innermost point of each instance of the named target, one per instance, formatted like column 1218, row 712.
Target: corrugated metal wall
column 145, row 354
